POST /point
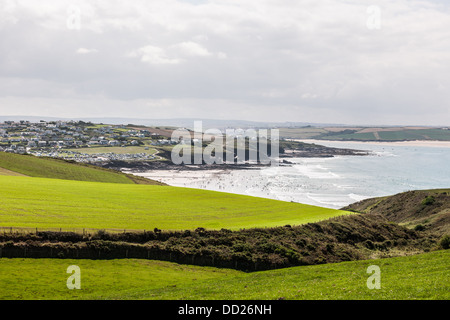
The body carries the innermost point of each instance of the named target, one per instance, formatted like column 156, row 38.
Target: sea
column 331, row 182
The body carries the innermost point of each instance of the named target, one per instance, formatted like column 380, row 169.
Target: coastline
column 303, row 150
column 332, row 182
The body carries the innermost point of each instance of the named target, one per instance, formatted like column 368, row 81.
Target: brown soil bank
column 339, row 239
column 424, row 210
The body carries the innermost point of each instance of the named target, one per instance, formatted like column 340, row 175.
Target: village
column 83, row 141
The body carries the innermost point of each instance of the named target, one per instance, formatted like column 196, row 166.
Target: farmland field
column 423, row 276
column 39, row 202
column 367, row 134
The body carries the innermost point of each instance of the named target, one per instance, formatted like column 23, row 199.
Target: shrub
column 369, row 244
column 301, row 243
column 329, row 247
column 102, row 234
column 445, row 242
column 419, row 227
column 429, row 200
column 388, row 243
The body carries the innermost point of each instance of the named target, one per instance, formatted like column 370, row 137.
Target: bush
column 388, row 243
column 369, row 244
column 419, row 227
column 102, row 234
column 445, row 242
column 429, row 200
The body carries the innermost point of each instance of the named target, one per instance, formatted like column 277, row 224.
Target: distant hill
column 380, row 134
column 174, row 122
column 42, row 167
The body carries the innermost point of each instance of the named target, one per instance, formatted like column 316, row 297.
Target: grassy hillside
column 16, row 164
column 39, row 202
column 422, row 276
column 421, row 209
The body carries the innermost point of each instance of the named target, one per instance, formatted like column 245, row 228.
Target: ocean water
column 333, row 182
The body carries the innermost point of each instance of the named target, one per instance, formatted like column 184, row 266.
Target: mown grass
column 422, row 276
column 26, row 279
column 39, row 202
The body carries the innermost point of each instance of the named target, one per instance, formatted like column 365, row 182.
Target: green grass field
column 46, row 278
column 59, row 169
column 39, row 202
column 364, row 136
column 422, row 276
column 423, row 134
column 301, row 133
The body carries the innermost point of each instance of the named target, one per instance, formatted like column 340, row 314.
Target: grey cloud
column 263, row 60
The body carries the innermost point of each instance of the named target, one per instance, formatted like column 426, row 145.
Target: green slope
column 422, row 276
column 39, row 202
column 27, row 279
column 60, row 169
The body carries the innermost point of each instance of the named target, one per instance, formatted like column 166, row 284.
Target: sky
column 360, row 62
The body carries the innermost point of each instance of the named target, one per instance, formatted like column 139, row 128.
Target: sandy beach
column 181, row 178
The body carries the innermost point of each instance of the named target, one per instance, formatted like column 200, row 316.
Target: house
column 114, row 143
column 42, row 143
column 21, row 150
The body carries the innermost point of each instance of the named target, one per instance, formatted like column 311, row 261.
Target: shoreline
column 327, row 182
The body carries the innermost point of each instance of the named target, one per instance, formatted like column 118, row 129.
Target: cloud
column 153, row 55
column 86, row 51
column 266, row 60
column 191, row 48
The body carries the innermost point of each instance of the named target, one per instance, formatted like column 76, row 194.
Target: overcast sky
column 336, row 61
